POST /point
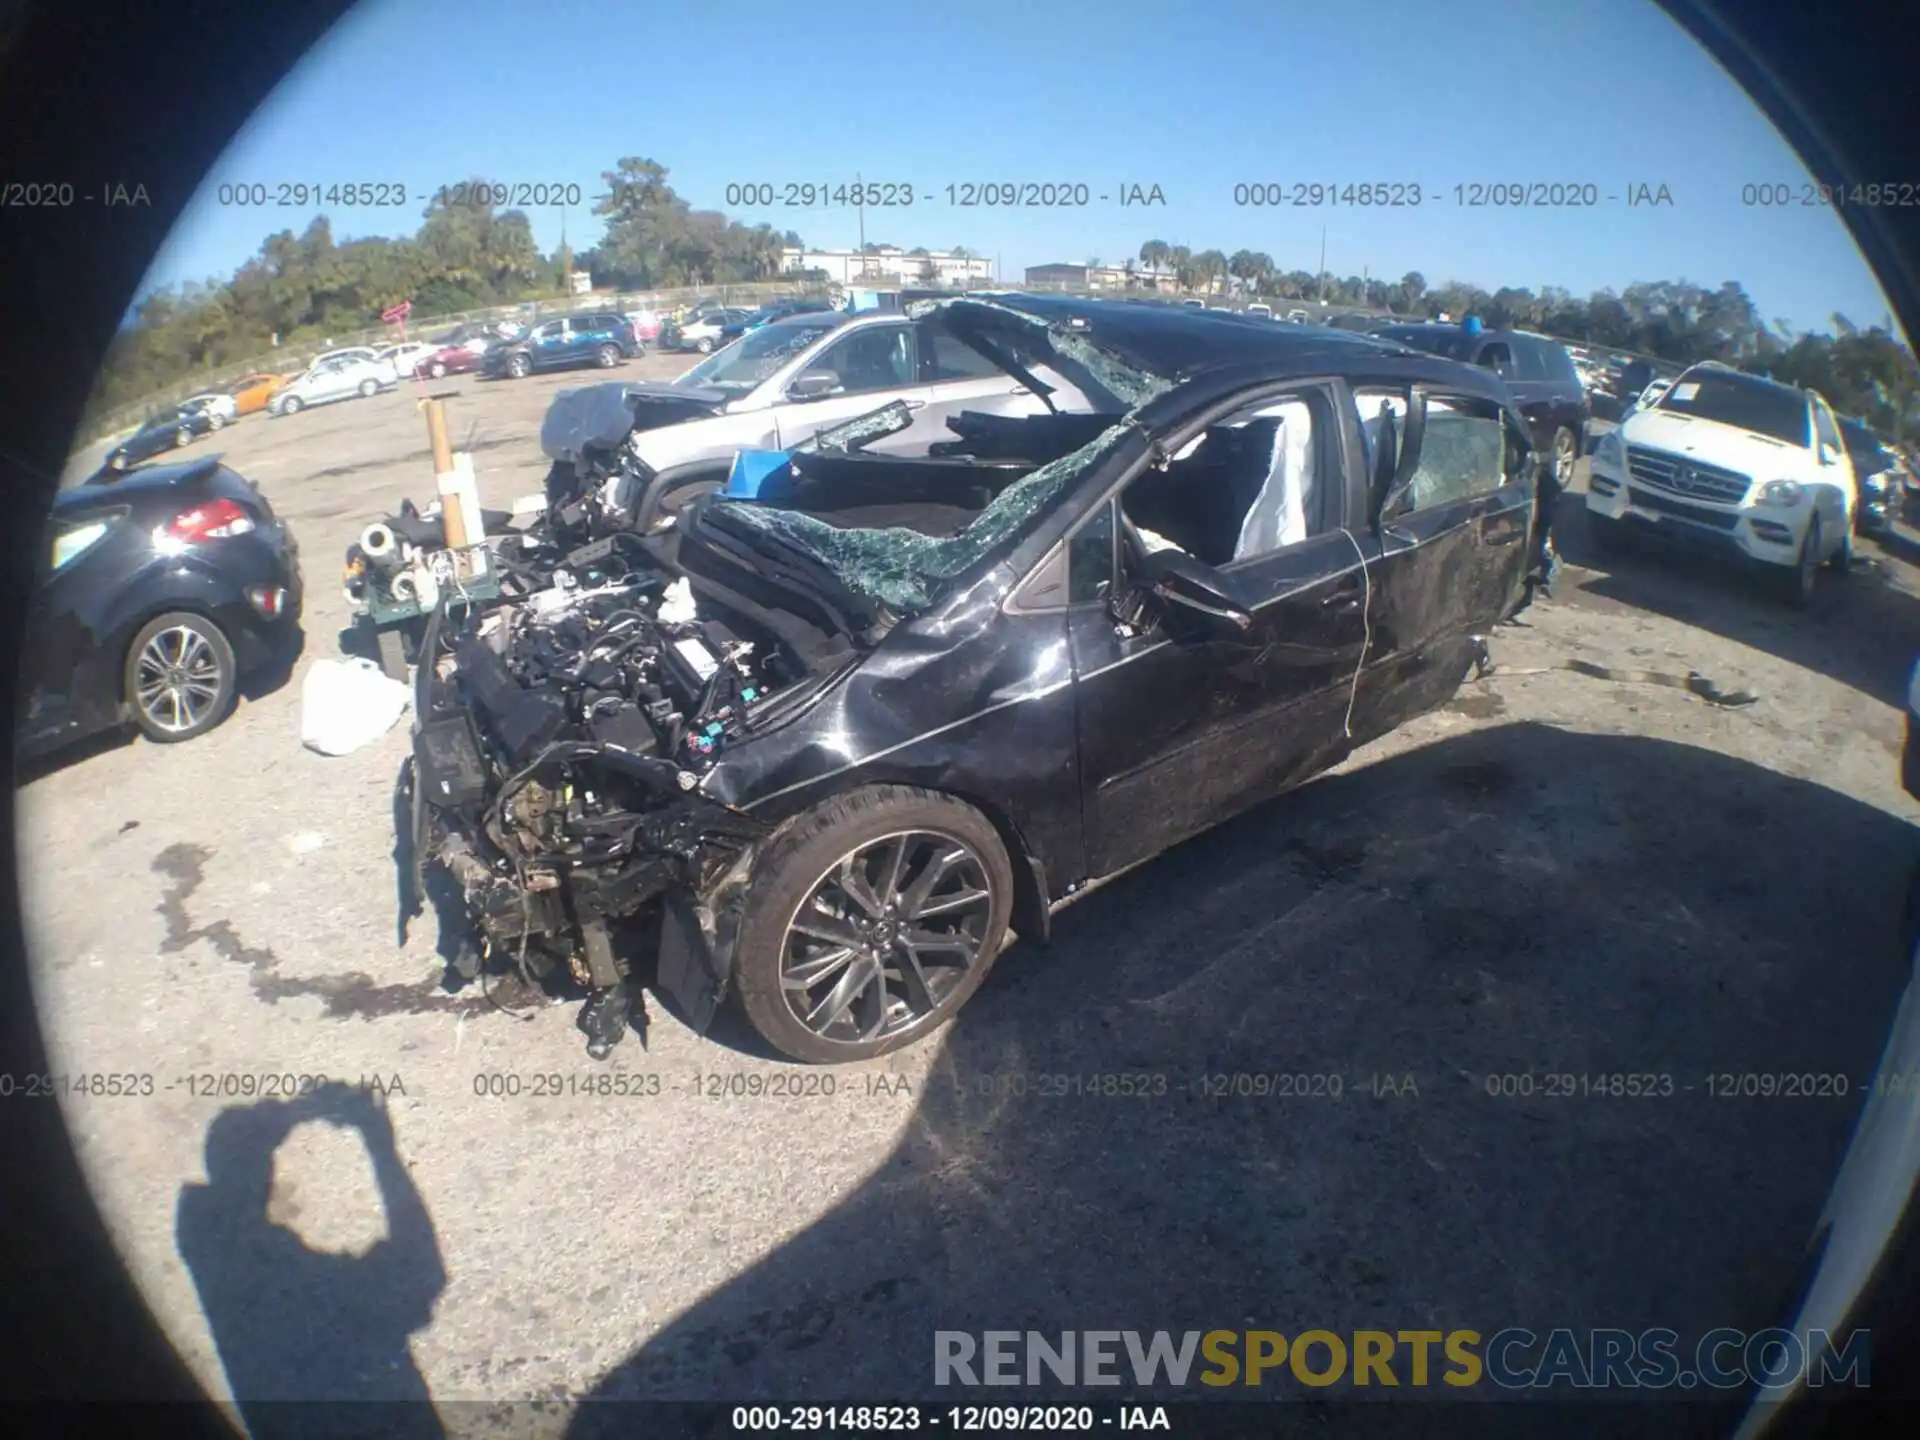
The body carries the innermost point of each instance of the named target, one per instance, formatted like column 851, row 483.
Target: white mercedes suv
column 1731, row 462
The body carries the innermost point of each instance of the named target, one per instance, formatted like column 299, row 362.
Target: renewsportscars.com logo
column 1511, row 1359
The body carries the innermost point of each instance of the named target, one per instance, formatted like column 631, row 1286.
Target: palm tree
column 1154, row 254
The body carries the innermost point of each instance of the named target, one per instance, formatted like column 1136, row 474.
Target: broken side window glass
column 905, row 570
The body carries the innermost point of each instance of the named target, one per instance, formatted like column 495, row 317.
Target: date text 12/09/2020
column 1469, row 195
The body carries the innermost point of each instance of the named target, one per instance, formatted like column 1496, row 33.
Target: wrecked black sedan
column 825, row 748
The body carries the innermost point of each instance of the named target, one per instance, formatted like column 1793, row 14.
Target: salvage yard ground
column 1556, row 875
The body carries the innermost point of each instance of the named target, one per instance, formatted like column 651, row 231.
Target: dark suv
column 1538, row 371
column 601, row 338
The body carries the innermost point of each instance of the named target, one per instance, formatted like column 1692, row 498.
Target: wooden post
column 452, row 522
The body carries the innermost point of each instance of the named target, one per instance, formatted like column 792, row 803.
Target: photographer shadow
column 312, row 1343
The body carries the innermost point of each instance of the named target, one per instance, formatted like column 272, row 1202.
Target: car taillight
column 269, row 600
column 215, row 520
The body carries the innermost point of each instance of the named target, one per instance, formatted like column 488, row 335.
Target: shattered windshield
column 754, row 358
column 905, row 570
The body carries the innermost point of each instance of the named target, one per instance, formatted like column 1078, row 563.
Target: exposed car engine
column 557, row 760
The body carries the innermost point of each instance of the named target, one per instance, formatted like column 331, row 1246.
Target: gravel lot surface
column 1553, row 875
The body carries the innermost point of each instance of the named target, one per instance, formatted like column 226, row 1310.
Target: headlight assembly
column 1783, row 493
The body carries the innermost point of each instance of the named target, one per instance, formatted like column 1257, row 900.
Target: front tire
column 607, row 356
column 180, row 678
column 216, row 420
column 1797, row 585
column 438, row 370
column 291, row 405
column 182, row 437
column 877, row 915
column 1841, row 561
column 519, row 367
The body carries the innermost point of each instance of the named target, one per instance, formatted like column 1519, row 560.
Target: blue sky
column 1192, row 98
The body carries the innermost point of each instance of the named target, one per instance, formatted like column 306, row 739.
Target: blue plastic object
column 760, row 475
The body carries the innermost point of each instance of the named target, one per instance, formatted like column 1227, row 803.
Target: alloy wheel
column 1564, row 458
column 887, row 934
column 177, row 679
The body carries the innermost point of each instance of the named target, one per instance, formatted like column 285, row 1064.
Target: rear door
column 1449, row 561
column 869, row 365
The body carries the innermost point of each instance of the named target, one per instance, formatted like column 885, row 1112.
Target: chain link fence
column 295, row 356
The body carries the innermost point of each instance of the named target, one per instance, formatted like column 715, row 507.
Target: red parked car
column 450, row 360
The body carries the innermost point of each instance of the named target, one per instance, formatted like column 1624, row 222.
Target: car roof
column 827, row 319
column 1180, row 339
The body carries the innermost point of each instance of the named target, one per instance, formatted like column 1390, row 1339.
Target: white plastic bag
column 346, row 705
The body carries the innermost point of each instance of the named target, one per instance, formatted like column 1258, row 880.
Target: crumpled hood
column 600, row 417
column 1712, row 443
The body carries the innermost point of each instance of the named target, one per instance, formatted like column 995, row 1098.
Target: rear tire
column 703, row 346
column 216, row 420
column 182, row 437
column 179, row 678
column 805, row 855
column 369, row 389
column 438, row 370
column 607, row 356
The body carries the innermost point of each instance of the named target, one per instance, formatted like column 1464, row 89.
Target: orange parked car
column 253, row 392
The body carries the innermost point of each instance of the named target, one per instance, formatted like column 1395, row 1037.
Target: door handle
column 1347, row 597
column 914, row 404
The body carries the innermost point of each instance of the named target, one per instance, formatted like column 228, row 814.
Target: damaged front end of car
column 585, row 753
column 557, row 753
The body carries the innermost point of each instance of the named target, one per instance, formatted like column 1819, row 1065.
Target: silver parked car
column 339, row 378
column 774, row 389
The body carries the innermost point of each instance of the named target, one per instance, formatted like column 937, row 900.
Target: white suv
column 1731, row 462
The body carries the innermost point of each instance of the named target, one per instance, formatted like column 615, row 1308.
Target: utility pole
column 860, row 190
column 1320, row 280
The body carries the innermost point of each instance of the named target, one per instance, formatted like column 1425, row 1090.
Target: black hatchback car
column 603, row 339
column 1537, row 369
column 171, row 429
column 162, row 589
column 909, row 699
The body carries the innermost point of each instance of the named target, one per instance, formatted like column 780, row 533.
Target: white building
column 889, row 264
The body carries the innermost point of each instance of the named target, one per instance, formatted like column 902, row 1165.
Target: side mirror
column 1195, row 599
column 1829, row 454
column 813, row 385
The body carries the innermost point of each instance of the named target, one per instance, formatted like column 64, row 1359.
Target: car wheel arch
column 126, row 629
column 1032, row 907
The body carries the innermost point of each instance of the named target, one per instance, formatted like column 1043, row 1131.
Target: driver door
column 871, row 366
column 1178, row 734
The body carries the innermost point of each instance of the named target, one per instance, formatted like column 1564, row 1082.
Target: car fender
column 186, row 585
column 700, row 930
